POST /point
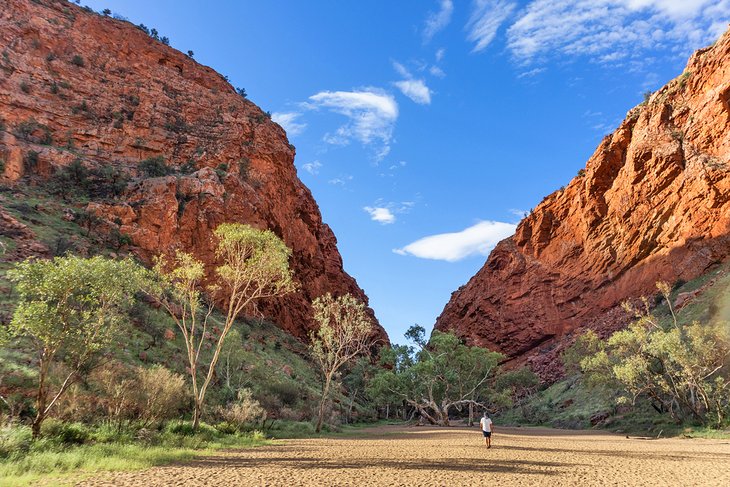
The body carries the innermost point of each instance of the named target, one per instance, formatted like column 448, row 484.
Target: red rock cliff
column 103, row 91
column 652, row 204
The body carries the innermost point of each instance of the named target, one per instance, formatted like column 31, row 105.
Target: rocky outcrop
column 184, row 150
column 653, row 203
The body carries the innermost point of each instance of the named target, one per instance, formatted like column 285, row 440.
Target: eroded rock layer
column 653, row 203
column 75, row 85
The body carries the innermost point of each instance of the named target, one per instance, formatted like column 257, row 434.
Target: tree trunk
column 387, row 411
column 36, row 426
column 471, row 415
column 320, row 416
column 197, row 413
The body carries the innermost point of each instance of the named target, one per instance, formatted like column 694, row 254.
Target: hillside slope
column 653, row 203
column 174, row 150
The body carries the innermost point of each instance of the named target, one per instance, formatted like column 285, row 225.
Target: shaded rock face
column 653, row 203
column 76, row 85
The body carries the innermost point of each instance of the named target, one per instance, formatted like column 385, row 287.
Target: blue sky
column 418, row 118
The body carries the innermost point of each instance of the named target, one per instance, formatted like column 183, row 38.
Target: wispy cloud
column 380, row 214
column 312, row 167
column 440, row 54
column 340, row 181
column 371, row 115
column 415, row 89
column 478, row 239
column 611, row 30
column 486, row 18
column 437, row 21
column 531, row 73
column 288, row 120
column 519, row 213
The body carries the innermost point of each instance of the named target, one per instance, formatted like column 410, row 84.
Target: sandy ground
column 418, row 456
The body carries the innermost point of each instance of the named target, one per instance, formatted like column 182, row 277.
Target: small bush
column 51, row 57
column 66, row 433
column 245, row 411
column 25, row 87
column 155, row 167
column 77, row 60
column 581, row 173
column 14, row 440
column 190, row 54
column 242, row 92
column 221, row 170
column 161, row 393
column 30, row 162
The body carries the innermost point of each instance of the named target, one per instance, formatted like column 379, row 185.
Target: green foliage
column 441, row 375
column 190, row 54
column 241, row 92
column 77, row 60
column 344, row 332
column 254, row 264
column 30, row 161
column 69, row 306
column 221, row 170
column 66, row 433
column 681, row 370
column 155, row 167
column 25, row 87
column 32, row 131
column 14, row 440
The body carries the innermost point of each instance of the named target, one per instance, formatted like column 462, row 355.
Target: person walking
column 486, row 424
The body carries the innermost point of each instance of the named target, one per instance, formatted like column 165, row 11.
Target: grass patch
column 51, row 461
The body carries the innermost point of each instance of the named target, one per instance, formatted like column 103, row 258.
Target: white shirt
column 486, row 424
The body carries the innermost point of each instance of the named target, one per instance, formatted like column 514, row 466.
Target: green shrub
column 14, row 440
column 226, row 428
column 155, row 167
column 221, row 170
column 31, row 161
column 77, row 60
column 25, row 87
column 66, row 433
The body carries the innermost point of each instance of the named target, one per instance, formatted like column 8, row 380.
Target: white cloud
column 519, row 213
column 440, row 54
column 611, row 30
column 531, row 73
column 288, row 121
column 340, row 181
column 312, row 167
column 371, row 114
column 416, row 90
column 437, row 21
column 486, row 18
column 478, row 239
column 381, row 215
column 436, row 71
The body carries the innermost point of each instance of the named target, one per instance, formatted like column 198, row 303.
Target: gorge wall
column 79, row 86
column 653, row 203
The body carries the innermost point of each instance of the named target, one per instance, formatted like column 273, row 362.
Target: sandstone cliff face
column 652, row 204
column 76, row 85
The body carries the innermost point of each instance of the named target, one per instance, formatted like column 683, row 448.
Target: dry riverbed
column 420, row 456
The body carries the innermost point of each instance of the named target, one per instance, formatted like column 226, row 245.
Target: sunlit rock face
column 103, row 91
column 653, row 203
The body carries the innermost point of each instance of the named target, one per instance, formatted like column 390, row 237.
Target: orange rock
column 653, row 204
